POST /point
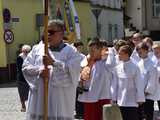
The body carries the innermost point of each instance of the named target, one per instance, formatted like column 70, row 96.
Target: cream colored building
column 145, row 16
column 110, row 19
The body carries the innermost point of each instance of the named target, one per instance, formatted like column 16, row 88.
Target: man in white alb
column 63, row 71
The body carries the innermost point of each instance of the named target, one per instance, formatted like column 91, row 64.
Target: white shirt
column 127, row 85
column 157, row 86
column 149, row 74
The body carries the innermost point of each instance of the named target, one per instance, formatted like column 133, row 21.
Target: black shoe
column 78, row 116
column 85, row 89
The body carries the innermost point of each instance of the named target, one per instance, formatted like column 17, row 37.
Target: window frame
column 154, row 7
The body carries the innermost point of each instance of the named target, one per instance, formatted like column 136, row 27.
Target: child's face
column 97, row 53
column 149, row 45
column 122, row 55
column 136, row 40
column 148, row 42
column 157, row 52
column 104, row 52
column 94, row 52
column 142, row 53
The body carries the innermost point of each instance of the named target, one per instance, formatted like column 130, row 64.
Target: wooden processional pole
column 46, row 54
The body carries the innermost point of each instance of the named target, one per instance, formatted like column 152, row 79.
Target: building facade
column 110, row 20
column 18, row 25
column 26, row 25
column 144, row 16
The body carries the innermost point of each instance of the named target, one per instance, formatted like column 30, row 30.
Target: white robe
column 156, row 95
column 99, row 85
column 135, row 57
column 64, row 75
column 149, row 75
column 113, row 58
column 127, row 85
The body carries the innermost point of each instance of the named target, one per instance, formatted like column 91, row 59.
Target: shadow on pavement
column 8, row 85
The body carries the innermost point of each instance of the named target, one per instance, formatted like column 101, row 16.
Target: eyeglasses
column 52, row 32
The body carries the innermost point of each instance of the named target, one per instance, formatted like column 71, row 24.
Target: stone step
column 111, row 112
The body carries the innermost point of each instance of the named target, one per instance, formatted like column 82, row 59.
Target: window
column 110, row 32
column 156, row 8
column 119, row 3
column 115, row 31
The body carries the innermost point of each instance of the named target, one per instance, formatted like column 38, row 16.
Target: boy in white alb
column 79, row 105
column 127, row 88
column 149, row 74
column 149, row 42
column 99, row 86
column 156, row 60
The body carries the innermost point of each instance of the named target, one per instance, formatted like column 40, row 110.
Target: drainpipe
column 145, row 9
column 124, row 21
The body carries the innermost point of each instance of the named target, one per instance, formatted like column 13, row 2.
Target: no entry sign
column 8, row 36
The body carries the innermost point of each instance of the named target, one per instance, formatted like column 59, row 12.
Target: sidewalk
column 8, row 85
column 10, row 103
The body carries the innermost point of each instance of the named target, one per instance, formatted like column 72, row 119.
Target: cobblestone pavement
column 10, row 104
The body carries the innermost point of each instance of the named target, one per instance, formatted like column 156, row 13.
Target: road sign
column 8, row 36
column 96, row 12
column 6, row 15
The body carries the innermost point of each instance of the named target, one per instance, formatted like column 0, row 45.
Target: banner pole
column 46, row 54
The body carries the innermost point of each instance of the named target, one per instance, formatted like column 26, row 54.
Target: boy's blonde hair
column 156, row 45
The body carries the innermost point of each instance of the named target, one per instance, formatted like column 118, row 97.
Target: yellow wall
column 86, row 22
column 2, row 43
column 25, row 30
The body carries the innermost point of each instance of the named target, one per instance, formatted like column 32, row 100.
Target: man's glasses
column 52, row 32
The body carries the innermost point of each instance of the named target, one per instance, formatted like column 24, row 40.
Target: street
column 10, row 104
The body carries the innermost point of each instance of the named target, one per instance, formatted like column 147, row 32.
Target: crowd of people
column 127, row 74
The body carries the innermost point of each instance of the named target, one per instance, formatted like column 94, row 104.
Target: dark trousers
column 141, row 112
column 129, row 113
column 149, row 109
column 159, row 104
column 79, row 106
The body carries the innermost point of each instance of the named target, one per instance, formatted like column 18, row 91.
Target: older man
column 63, row 70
